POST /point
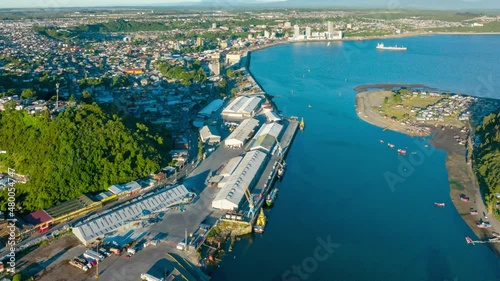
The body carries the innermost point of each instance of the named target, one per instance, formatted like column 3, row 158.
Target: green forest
column 487, row 159
column 84, row 149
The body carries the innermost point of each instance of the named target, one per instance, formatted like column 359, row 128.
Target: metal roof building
column 209, row 135
column 266, row 137
column 242, row 133
column 245, row 176
column 242, row 107
column 98, row 227
column 271, row 116
column 208, row 110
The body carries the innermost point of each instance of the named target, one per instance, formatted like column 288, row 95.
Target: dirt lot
column 51, row 255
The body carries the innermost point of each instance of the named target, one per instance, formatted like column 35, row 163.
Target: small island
column 466, row 127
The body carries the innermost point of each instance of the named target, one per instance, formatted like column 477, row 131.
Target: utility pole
column 57, row 95
column 185, row 239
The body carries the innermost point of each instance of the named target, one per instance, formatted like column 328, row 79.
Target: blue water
column 335, row 186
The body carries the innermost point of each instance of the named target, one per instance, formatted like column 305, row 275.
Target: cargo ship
column 381, row 46
column 438, row 204
column 271, row 197
column 260, row 224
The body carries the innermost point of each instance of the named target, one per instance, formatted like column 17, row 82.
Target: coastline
column 461, row 177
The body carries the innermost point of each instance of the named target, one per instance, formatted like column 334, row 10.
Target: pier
column 470, row 241
column 268, row 176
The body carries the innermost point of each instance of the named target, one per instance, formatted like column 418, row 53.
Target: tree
column 17, row 277
column 234, row 91
column 28, row 93
column 230, row 73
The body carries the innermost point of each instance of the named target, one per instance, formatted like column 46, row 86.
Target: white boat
column 328, row 44
column 381, row 46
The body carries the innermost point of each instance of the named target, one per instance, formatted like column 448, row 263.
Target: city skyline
column 401, row 4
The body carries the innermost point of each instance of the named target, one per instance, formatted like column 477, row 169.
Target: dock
column 269, row 175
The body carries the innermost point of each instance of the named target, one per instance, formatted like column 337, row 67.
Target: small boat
column 390, row 145
column 473, row 212
column 281, row 172
column 328, row 44
column 493, row 239
column 401, row 151
column 464, row 198
column 381, row 141
column 495, row 234
column 426, row 145
column 271, row 197
column 483, row 224
column 302, row 124
column 468, row 240
column 438, row 204
column 310, row 106
column 260, row 224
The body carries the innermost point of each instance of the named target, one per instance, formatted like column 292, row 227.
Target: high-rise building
column 214, row 67
column 214, row 25
column 199, row 42
column 296, row 31
column 267, row 34
column 308, row 32
column 330, row 27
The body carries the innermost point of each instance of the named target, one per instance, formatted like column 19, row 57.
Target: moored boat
column 493, row 239
column 260, row 224
column 473, row 212
column 438, row 204
column 302, row 124
column 390, row 145
column 402, row 151
column 281, row 172
column 468, row 240
column 271, row 197
column 483, row 224
column 495, row 234
column 381, row 141
column 464, row 198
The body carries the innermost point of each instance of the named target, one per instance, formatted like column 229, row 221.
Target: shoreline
column 461, row 177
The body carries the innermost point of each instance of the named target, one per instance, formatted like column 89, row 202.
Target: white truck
column 149, row 277
column 93, row 255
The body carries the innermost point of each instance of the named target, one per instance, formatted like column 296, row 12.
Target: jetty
column 473, row 242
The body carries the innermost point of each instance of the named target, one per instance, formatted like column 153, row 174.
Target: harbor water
column 339, row 216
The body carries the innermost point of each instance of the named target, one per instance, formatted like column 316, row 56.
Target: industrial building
column 242, row 133
column 208, row 110
column 266, row 137
column 98, row 227
column 127, row 189
column 225, row 172
column 271, row 116
column 210, row 135
column 242, row 107
column 244, row 177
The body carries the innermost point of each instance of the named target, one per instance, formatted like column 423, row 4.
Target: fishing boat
column 468, row 240
column 302, row 124
column 381, row 141
column 464, row 198
column 271, row 197
column 260, row 224
column 401, row 151
column 390, row 145
column 438, row 204
column 473, row 212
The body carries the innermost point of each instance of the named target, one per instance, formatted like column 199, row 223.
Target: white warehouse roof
column 243, row 105
column 230, row 166
column 109, row 222
column 272, row 116
column 230, row 196
column 211, row 108
column 242, row 133
column 266, row 137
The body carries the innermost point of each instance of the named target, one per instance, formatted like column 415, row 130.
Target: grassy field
column 426, row 15
column 489, row 27
column 389, row 109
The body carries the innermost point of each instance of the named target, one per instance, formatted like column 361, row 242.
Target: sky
column 389, row 4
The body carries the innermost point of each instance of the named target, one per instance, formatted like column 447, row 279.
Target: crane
column 251, row 203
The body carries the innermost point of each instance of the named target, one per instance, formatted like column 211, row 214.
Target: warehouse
column 209, row 135
column 245, row 176
column 210, row 108
column 242, row 133
column 242, row 107
column 95, row 228
column 266, row 137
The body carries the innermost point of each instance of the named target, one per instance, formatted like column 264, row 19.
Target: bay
column 335, row 188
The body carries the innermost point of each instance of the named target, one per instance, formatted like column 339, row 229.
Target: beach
column 461, row 176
